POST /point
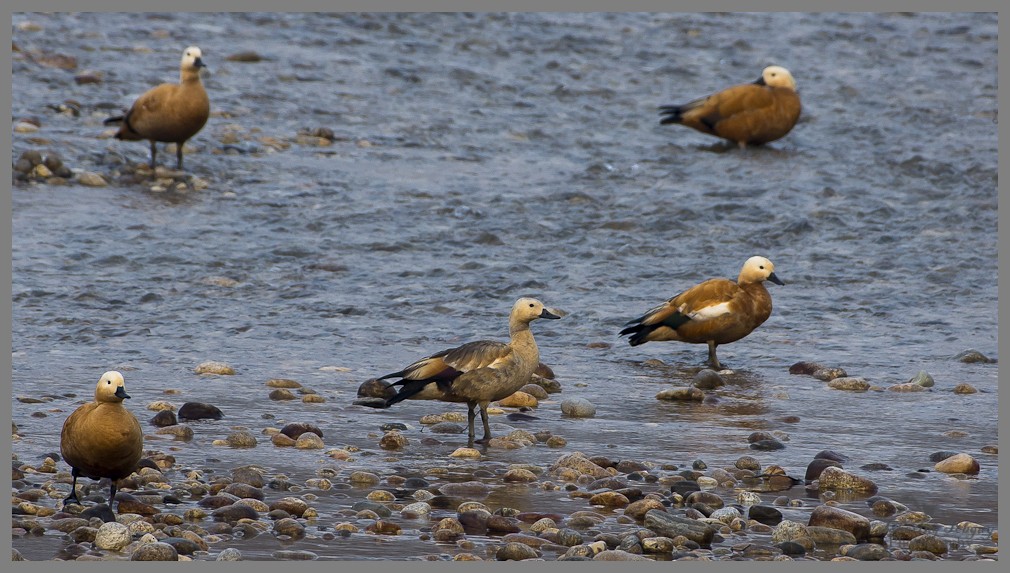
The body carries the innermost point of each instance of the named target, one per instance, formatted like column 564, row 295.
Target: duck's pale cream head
column 758, row 269
column 777, row 77
column 192, row 59
column 530, row 309
column 111, row 388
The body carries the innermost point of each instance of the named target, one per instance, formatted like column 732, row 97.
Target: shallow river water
column 479, row 158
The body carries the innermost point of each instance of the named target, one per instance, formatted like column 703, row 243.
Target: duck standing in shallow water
column 717, row 311
column 102, row 438
column 170, row 113
column 751, row 114
column 477, row 373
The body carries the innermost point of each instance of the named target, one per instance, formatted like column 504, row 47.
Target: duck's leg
column 73, row 488
column 178, row 156
column 487, row 428
column 112, row 493
column 154, row 153
column 470, row 415
column 712, row 360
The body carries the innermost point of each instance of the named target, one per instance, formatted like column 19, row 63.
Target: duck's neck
column 190, row 76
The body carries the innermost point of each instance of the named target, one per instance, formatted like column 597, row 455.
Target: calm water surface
column 479, row 158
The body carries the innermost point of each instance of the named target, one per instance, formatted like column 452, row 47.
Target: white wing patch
column 499, row 363
column 710, row 312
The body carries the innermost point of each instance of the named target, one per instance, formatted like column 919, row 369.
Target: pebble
column 765, row 514
column 928, row 542
column 835, row 478
column 91, row 179
column 282, row 383
column 211, row 367
column 513, row 551
column 393, row 440
column 681, row 394
column 973, row 356
column 112, row 536
column 922, row 379
column 519, row 399
column 199, row 411
column 373, row 388
column 157, row 551
column 958, row 464
column 535, row 390
column 673, row 526
column 282, row 440
column 867, row 552
column 853, row 384
column 229, row 554
column 906, row 387
column 164, row 418
column 577, row 408
column 519, row 475
column 241, row 439
column 309, row 441
column 840, row 519
column 964, row 388
column 281, row 394
column 708, row 380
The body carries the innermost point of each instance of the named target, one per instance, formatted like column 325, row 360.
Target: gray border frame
column 12, row 6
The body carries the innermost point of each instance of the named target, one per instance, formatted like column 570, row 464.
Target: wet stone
column 833, row 478
column 282, row 440
column 906, row 388
column 289, row 527
column 241, row 439
column 672, row 526
column 829, row 536
column 868, row 552
column 447, row 428
column 378, row 508
column 249, row 476
column 157, row 551
column 767, row 445
column 972, row 357
column 281, row 394
column 964, row 388
column 958, row 464
column 309, row 441
column 179, row 431
column 199, row 411
column 211, row 367
column 164, row 418
column 112, row 536
column 577, row 408
column 373, row 388
column 923, row 379
column 840, row 519
column 849, row 383
column 618, row 555
column 690, row 394
column 294, row 555
column 393, row 441
column 296, row 429
column 827, row 374
column 748, row 463
column 791, row 548
column 928, row 542
column 884, row 508
column 234, row 512
column 229, row 554
column 182, row 545
column 244, row 490
column 516, row 552
column 292, row 505
column 708, row 380
column 765, row 514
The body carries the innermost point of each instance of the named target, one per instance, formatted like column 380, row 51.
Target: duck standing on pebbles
column 102, row 438
column 170, row 113
column 752, row 113
column 717, row 311
column 477, row 372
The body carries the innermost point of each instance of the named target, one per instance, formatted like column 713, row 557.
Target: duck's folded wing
column 708, row 300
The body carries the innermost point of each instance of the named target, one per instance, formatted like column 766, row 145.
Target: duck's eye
column 762, row 267
column 532, row 305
